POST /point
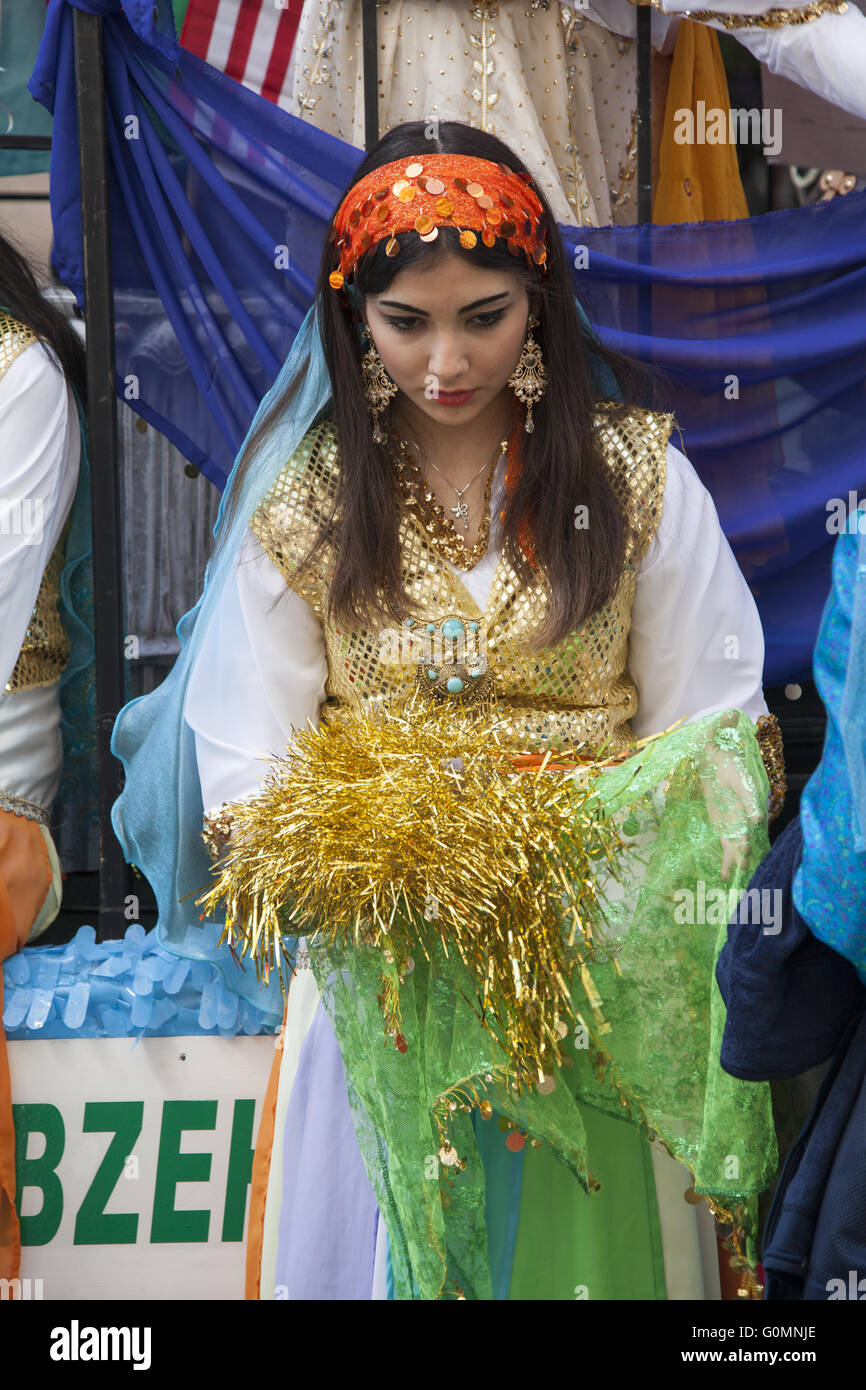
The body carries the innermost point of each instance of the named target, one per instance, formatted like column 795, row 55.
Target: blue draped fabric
column 761, row 326
column 219, row 205
column 75, row 817
column 217, row 209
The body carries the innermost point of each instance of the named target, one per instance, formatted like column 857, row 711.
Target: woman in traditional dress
column 42, row 379
column 450, row 457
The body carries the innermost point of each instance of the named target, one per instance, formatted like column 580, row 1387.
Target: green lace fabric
column 691, row 811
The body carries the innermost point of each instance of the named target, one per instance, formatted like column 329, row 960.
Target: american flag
column 250, row 40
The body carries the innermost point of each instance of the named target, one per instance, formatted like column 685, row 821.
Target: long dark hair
column 21, row 297
column 562, row 467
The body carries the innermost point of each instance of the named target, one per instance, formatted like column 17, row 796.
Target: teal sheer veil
column 158, row 816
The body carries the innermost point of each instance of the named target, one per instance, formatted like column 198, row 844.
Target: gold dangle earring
column 378, row 386
column 528, row 381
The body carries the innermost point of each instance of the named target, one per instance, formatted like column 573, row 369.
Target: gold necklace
column 419, row 499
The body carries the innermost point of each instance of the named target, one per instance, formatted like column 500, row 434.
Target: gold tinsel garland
column 410, row 831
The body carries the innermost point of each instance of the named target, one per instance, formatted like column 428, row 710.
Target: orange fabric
column 697, row 182
column 261, row 1173
column 524, row 761
column 25, row 878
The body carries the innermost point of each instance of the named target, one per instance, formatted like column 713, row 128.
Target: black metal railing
column 102, row 435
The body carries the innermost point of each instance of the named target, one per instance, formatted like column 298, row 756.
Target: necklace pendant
column 461, row 511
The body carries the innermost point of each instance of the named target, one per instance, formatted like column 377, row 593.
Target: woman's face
column 449, row 335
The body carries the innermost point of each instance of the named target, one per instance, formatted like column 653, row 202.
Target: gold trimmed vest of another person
column 45, row 649
column 575, row 694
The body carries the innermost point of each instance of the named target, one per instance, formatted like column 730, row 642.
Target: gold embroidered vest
column 45, row 649
column 577, row 692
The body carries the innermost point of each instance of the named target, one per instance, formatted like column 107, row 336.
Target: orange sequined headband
column 422, row 194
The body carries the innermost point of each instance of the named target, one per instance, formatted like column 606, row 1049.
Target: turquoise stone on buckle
column 454, row 665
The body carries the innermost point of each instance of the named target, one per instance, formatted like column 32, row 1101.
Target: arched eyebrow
column 476, row 304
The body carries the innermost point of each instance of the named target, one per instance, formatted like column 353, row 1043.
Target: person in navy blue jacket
column 796, row 993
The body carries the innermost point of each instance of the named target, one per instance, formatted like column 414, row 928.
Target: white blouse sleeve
column 40, row 437
column 261, row 674
column 827, row 57
column 696, row 645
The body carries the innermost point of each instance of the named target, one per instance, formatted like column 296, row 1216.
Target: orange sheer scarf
column 697, row 182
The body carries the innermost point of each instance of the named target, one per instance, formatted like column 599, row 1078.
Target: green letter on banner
column 92, row 1225
column 173, row 1167
column 39, row 1172
column 240, row 1170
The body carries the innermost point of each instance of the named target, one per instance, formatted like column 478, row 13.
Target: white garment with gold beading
column 556, row 86
column 39, row 430
column 555, row 82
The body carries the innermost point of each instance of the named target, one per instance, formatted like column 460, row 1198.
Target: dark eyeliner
column 490, row 318
column 405, row 325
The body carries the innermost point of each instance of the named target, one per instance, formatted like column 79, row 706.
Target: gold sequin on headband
column 422, row 194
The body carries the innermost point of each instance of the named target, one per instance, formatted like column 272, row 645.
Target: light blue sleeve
column 830, row 884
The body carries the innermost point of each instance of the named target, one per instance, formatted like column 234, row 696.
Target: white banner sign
column 134, row 1164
